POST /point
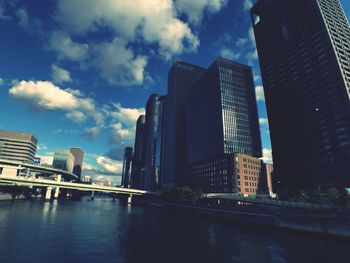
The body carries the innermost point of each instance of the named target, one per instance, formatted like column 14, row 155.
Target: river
column 106, row 231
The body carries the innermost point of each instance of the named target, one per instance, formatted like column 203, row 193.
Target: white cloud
column 108, row 165
column 259, row 92
column 67, row 48
column 2, row 13
column 252, row 56
column 60, row 75
column 41, row 147
column 92, row 133
column 267, row 156
column 263, row 121
column 229, row 53
column 1, row 81
column 247, row 5
column 118, row 64
column 44, row 95
column 194, row 10
column 241, row 42
column 45, row 159
column 31, row 25
column 127, row 116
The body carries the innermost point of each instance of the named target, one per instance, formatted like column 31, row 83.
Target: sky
column 77, row 73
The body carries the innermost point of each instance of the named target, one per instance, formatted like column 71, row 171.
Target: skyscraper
column 139, row 153
column 180, row 78
column 63, row 160
column 17, row 146
column 304, row 55
column 153, row 110
column 78, row 155
column 222, row 113
column 222, row 126
column 160, row 143
column 128, row 155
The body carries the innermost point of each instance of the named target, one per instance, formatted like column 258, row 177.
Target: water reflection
column 107, row 231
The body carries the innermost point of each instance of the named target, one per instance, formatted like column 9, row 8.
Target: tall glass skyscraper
column 128, row 155
column 304, row 55
column 222, row 113
column 181, row 77
column 63, row 160
column 153, row 110
column 138, row 161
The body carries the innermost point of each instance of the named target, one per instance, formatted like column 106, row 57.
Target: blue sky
column 78, row 73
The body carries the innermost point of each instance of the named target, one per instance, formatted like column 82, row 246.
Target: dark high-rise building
column 153, row 110
column 180, row 78
column 128, row 155
column 222, row 113
column 304, row 55
column 139, row 153
column 222, row 119
column 78, row 160
column 160, row 143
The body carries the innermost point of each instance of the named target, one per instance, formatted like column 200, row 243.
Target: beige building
column 17, row 146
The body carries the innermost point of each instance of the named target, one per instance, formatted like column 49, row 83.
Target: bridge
column 28, row 175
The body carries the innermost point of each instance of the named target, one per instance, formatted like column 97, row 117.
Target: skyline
column 76, row 56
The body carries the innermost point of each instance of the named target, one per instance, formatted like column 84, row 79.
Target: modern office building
column 304, row 55
column 152, row 124
column 63, row 160
column 17, row 146
column 228, row 173
column 181, row 77
column 269, row 177
column 222, row 118
column 126, row 172
column 139, row 153
column 222, row 113
column 78, row 155
column 160, row 143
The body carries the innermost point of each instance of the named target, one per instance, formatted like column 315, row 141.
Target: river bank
column 325, row 224
column 6, row 197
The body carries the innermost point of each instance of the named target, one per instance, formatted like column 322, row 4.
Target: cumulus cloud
column 247, row 5
column 267, row 156
column 45, row 159
column 1, row 81
column 263, row 121
column 194, row 10
column 60, row 75
column 91, row 133
column 31, row 25
column 66, row 48
column 118, row 64
column 259, row 92
column 108, row 165
column 44, row 95
column 127, row 116
column 229, row 53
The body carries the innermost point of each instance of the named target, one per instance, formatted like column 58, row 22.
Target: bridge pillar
column 57, row 192
column 129, row 199
column 48, row 193
column 92, row 195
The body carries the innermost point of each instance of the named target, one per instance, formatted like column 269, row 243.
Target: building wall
column 126, row 172
column 227, row 173
column 303, row 48
column 222, row 112
column 63, row 160
column 78, row 155
column 139, row 153
column 180, row 78
column 17, row 146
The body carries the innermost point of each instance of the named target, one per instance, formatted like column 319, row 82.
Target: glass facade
column 63, row 160
column 128, row 155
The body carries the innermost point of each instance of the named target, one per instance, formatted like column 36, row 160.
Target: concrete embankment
column 327, row 224
column 10, row 197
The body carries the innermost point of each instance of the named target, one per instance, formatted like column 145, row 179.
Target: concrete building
column 304, row 55
column 181, row 77
column 63, row 160
column 78, row 155
column 17, row 146
column 228, row 173
column 138, row 161
column 126, row 172
column 269, row 176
